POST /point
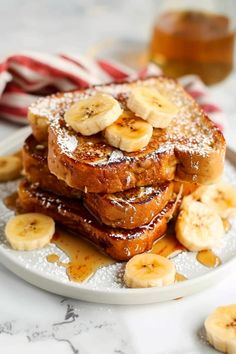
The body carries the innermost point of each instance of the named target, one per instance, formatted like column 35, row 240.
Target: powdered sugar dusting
column 201, row 138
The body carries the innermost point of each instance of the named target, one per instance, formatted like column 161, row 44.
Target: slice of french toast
column 118, row 243
column 34, row 155
column 128, row 209
column 131, row 208
column 190, row 149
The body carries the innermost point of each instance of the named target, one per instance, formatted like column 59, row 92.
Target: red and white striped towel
column 26, row 76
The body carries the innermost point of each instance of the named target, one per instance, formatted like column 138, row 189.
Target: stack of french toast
column 112, row 162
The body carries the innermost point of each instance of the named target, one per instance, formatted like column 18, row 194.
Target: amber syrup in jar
column 193, row 42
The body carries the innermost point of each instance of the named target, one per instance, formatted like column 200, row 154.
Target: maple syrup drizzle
column 167, row 245
column 85, row 259
column 10, row 201
column 208, row 258
column 53, row 258
column 180, row 277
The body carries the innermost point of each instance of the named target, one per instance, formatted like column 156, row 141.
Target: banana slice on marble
column 150, row 105
column 198, row 227
column 29, row 231
column 149, row 270
column 129, row 133
column 10, row 168
column 220, row 329
column 94, row 114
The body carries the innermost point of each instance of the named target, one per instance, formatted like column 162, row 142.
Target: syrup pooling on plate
column 180, row 277
column 208, row 258
column 84, row 258
column 167, row 246
column 53, row 258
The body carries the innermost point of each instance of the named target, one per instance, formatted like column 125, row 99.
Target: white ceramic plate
column 106, row 285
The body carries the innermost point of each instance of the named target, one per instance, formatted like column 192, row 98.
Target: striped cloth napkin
column 28, row 75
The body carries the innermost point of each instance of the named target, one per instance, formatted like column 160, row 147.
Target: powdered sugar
column 190, row 132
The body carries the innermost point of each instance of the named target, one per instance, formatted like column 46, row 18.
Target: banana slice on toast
column 29, row 231
column 149, row 270
column 150, row 105
column 220, row 329
column 93, row 114
column 129, row 133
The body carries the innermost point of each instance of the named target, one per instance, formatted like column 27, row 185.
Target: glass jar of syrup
column 193, row 38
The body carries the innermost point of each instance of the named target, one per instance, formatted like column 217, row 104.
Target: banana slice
column 10, row 168
column 220, row 329
column 29, row 231
column 93, row 114
column 129, row 133
column 198, row 227
column 149, row 104
column 221, row 197
column 149, row 270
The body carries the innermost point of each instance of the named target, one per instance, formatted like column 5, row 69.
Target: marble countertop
column 33, row 321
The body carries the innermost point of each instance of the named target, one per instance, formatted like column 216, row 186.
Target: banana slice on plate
column 221, row 197
column 149, row 270
column 198, row 227
column 10, row 168
column 29, row 231
column 220, row 329
column 93, row 114
column 149, row 104
column 129, row 133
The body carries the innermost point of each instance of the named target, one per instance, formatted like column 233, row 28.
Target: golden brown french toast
column 128, row 209
column 118, row 243
column 131, row 208
column 34, row 155
column 190, row 149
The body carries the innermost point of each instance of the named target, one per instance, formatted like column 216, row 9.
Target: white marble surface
column 33, row 321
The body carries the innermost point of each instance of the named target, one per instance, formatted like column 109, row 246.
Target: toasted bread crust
column 191, row 149
column 35, row 164
column 120, row 244
column 129, row 209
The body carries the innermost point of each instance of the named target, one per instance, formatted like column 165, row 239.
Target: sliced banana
column 129, row 133
column 93, row 114
column 198, row 227
column 149, row 270
column 149, row 104
column 220, row 329
column 29, row 231
column 221, row 197
column 10, row 168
